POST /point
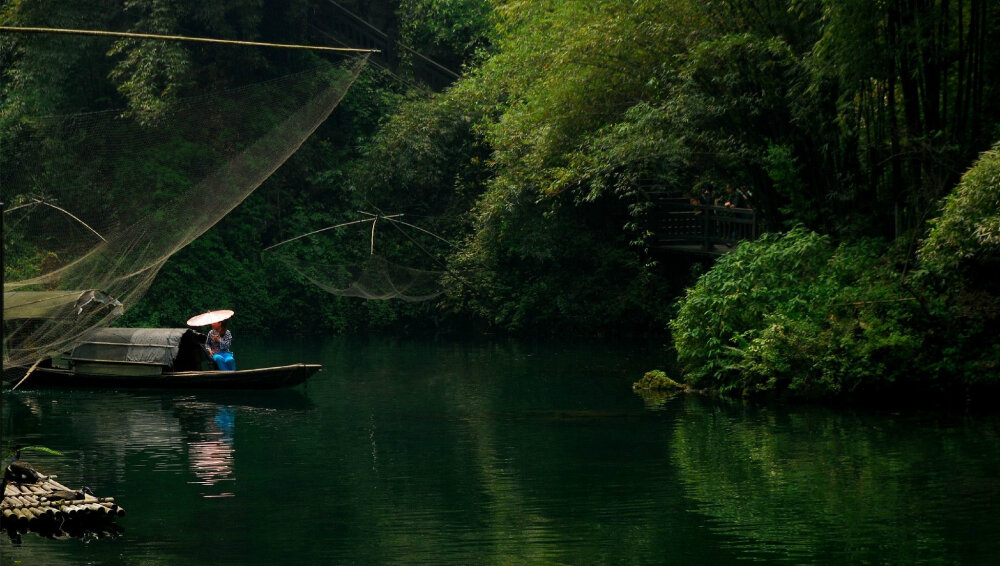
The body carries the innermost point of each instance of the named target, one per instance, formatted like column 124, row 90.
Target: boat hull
column 261, row 378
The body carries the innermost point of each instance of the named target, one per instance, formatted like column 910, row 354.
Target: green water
column 444, row 453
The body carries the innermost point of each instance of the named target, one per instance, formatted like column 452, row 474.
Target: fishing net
column 96, row 203
column 373, row 277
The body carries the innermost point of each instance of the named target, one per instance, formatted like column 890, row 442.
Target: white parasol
column 206, row 318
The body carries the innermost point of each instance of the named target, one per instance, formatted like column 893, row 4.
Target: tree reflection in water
column 840, row 486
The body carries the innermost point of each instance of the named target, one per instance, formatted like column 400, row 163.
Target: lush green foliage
column 657, row 380
column 796, row 312
column 546, row 162
column 960, row 261
column 449, row 30
column 583, row 114
column 965, row 240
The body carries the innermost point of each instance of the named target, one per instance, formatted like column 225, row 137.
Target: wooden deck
column 28, row 507
column 703, row 230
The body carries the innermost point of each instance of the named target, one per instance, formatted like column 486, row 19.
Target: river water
column 445, row 453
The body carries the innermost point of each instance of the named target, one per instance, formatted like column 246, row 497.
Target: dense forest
column 535, row 158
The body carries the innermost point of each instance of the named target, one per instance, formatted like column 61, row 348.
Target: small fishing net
column 97, row 203
column 374, row 277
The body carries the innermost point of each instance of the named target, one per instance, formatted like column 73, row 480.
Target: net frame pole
column 314, row 232
column 160, row 37
column 3, row 333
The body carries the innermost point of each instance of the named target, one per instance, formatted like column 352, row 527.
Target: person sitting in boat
column 219, row 341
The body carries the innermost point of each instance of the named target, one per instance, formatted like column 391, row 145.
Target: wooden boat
column 259, row 378
column 172, row 358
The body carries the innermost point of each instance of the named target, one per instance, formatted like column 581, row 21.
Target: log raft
column 32, row 507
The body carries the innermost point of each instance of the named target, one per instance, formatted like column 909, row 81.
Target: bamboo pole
column 160, row 37
column 3, row 333
column 27, row 505
column 30, row 371
column 19, row 501
column 68, row 213
column 49, row 508
column 96, row 508
column 315, row 232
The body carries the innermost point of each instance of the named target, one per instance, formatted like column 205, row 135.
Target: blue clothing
column 218, row 348
column 225, row 361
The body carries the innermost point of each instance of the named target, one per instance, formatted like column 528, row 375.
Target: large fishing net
column 97, row 203
column 375, row 275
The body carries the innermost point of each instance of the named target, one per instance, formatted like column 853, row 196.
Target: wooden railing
column 683, row 224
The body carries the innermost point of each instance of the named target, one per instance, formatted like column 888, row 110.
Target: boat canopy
column 178, row 349
column 51, row 305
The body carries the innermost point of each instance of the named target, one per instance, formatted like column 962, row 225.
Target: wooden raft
column 27, row 506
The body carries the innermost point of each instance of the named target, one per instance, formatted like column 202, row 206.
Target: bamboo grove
column 850, row 123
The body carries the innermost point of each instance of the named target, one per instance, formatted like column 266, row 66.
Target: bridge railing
column 693, row 224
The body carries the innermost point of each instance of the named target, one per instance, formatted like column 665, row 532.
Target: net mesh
column 375, row 276
column 99, row 202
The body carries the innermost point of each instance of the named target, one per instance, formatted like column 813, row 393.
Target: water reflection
column 85, row 532
column 806, row 484
column 407, row 452
column 208, row 435
column 212, row 458
column 209, row 430
column 102, row 434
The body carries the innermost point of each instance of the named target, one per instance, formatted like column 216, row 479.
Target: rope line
column 132, row 35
